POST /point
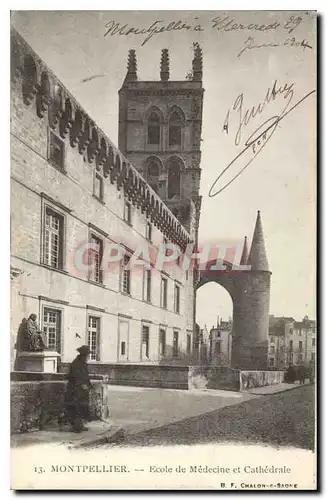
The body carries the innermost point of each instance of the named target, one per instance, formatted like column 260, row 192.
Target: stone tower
column 250, row 293
column 251, row 306
column 160, row 134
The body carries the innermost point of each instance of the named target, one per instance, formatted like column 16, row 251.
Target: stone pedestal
column 42, row 361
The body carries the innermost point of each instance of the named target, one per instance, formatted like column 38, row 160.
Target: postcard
column 163, row 250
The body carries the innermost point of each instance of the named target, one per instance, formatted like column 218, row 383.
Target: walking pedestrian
column 302, row 374
column 77, row 393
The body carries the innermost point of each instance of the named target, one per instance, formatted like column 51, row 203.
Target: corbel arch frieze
column 77, row 129
column 67, row 117
column 57, row 106
column 122, row 177
column 43, row 94
column 103, row 153
column 116, row 170
column 85, row 137
column 31, row 78
column 16, row 59
column 109, row 163
column 93, row 147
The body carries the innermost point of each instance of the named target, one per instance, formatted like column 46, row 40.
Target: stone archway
column 250, row 293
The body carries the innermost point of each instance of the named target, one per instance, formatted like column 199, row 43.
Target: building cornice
column 67, row 117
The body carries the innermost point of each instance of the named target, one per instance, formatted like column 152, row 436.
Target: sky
column 280, row 182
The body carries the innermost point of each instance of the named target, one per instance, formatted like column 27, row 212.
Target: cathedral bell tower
column 160, row 134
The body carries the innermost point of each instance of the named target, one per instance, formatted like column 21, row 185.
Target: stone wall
column 231, row 379
column 214, row 378
column 251, row 379
column 37, row 400
column 150, row 375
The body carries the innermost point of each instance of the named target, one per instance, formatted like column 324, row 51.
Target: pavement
column 272, row 389
column 138, row 410
column 282, row 420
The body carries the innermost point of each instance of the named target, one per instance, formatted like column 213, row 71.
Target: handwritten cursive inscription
column 258, row 138
column 245, row 116
column 229, row 24
column 157, row 27
column 250, row 44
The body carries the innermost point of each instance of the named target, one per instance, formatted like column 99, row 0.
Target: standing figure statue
column 34, row 338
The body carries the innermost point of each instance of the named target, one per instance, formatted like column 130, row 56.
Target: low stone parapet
column 260, row 378
column 140, row 375
column 227, row 378
column 214, row 377
column 37, row 400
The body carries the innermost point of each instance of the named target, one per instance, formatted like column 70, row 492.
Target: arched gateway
column 250, row 293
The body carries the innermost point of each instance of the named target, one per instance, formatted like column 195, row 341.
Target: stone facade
column 71, row 185
column 291, row 342
column 221, row 343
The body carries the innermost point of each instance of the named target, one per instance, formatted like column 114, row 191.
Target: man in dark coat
column 77, row 393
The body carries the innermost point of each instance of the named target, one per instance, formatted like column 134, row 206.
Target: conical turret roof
column 258, row 257
column 245, row 253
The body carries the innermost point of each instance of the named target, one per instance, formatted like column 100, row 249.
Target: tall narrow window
column 313, row 342
column 177, row 299
column 56, row 150
column 96, row 252
column 154, row 129
column 98, row 186
column 162, row 342
column 52, row 328
column 174, row 179
column 94, row 337
column 175, row 129
column 175, row 344
column 300, row 345
column 152, row 173
column 164, row 288
column 126, row 277
column 53, row 239
column 128, row 212
column 291, row 344
column 147, row 285
column 145, row 342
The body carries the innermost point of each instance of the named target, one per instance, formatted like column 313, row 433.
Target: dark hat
column 84, row 349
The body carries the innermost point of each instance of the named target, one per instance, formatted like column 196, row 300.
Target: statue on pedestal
column 31, row 337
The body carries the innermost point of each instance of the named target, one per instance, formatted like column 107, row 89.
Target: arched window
column 154, row 128
column 174, row 179
column 175, row 129
column 153, row 175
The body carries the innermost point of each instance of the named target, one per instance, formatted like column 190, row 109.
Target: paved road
column 285, row 419
column 138, row 409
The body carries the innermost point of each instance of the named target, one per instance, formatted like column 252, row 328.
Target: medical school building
column 72, row 189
